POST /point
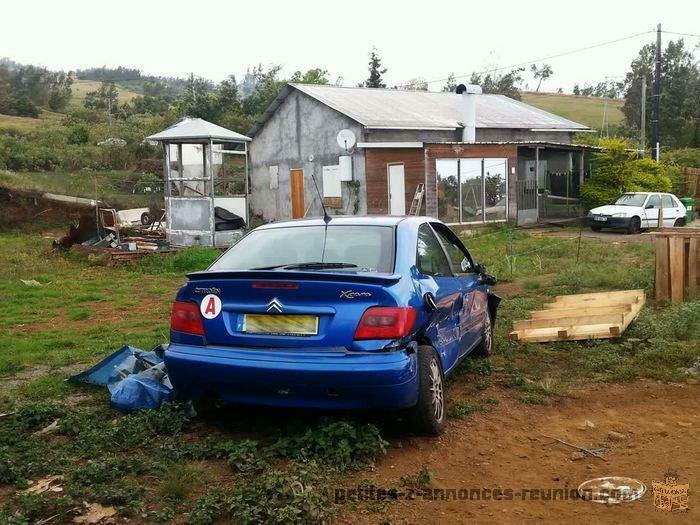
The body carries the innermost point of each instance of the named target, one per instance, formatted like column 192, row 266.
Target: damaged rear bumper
column 306, row 378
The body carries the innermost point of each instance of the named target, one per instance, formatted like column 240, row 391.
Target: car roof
column 351, row 220
column 647, row 193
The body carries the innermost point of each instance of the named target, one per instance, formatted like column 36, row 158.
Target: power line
column 681, row 34
column 550, row 57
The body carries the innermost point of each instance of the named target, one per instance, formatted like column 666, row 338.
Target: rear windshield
column 370, row 248
column 631, row 199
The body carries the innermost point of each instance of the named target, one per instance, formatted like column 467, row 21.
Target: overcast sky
column 428, row 39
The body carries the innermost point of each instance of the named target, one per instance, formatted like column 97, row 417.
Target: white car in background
column 637, row 211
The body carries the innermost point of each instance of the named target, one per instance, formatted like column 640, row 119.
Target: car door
column 474, row 296
column 650, row 211
column 435, row 276
column 672, row 210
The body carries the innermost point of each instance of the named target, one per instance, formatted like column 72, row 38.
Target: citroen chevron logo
column 274, row 306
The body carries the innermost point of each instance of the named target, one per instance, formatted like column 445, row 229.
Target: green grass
column 24, row 124
column 584, row 110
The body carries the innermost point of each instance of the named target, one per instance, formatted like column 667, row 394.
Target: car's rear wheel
column 485, row 348
column 635, row 225
column 680, row 222
column 428, row 415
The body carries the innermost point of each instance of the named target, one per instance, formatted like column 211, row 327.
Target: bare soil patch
column 507, row 448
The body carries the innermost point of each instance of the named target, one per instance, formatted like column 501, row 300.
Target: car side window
column 654, row 202
column 668, row 201
column 430, row 257
column 460, row 261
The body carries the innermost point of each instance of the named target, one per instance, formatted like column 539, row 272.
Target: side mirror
column 430, row 302
column 487, row 279
column 649, row 207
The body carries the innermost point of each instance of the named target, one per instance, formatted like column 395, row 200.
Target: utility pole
column 656, row 116
column 643, row 120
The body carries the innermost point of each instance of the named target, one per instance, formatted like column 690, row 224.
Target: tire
column 428, row 415
column 596, row 228
column 485, row 347
column 146, row 219
column 680, row 222
column 635, row 225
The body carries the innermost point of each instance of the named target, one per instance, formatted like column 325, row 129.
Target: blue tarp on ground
column 137, row 380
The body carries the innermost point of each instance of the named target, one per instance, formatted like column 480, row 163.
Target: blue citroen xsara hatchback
column 353, row 312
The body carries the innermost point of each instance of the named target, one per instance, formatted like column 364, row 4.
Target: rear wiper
column 308, row 266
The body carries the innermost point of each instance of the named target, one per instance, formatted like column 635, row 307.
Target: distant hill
column 82, row 87
column 585, row 110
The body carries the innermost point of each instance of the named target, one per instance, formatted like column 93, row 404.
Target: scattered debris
column 582, row 455
column 586, row 425
column 44, row 485
column 121, row 234
column 95, row 513
column 587, row 451
column 50, row 429
column 695, row 369
column 7, row 414
column 612, row 490
column 582, row 316
column 684, row 424
column 137, row 380
column 31, row 282
column 616, row 436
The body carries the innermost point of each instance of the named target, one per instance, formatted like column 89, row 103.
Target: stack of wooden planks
column 582, row 316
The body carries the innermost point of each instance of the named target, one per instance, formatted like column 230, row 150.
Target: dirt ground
column 617, row 236
column 509, row 448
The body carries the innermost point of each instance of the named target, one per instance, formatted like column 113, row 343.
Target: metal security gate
column 526, row 200
column 559, row 198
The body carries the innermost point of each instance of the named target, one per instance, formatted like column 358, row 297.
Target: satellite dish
column 346, row 139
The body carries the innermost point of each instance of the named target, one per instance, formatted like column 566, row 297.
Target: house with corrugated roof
column 463, row 157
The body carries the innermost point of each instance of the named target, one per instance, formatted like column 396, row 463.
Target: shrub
column 79, row 134
column 617, row 170
column 683, row 157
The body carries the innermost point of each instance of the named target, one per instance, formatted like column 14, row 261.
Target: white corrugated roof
column 400, row 109
column 197, row 129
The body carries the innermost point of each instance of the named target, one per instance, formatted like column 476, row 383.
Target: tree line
column 237, row 104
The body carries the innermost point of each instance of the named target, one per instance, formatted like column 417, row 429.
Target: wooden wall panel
column 376, row 161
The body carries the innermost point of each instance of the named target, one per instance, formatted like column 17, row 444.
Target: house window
column 448, row 189
column 472, row 189
column 495, row 184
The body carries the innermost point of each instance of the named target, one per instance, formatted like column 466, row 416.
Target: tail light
column 380, row 322
column 185, row 317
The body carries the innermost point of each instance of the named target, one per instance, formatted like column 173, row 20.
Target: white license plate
column 267, row 324
column 601, row 219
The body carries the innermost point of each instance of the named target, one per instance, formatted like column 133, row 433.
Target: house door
column 397, row 190
column 296, row 178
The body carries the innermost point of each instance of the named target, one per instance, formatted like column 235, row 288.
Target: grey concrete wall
column 301, row 127
column 521, row 135
column 410, row 135
column 482, row 135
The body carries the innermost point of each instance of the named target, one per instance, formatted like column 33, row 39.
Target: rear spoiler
column 296, row 275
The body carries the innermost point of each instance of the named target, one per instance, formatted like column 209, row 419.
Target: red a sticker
column 210, row 306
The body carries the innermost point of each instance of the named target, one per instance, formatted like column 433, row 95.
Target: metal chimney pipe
column 468, row 93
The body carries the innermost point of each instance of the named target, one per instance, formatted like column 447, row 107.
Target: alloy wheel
column 436, row 391
column 488, row 334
